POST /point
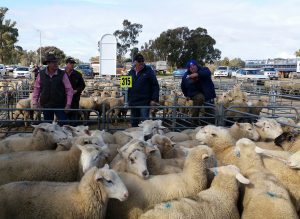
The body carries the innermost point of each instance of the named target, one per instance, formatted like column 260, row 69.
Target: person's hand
column 193, row 75
column 67, row 107
column 153, row 103
column 34, row 106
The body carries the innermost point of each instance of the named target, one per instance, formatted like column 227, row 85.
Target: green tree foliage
column 54, row 50
column 237, row 62
column 179, row 45
column 297, row 53
column 127, row 37
column 8, row 37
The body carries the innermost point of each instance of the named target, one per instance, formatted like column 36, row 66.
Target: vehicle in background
column 252, row 75
column 178, row 73
column 86, row 70
column 222, row 71
column 161, row 66
column 2, row 70
column 234, row 71
column 270, row 72
column 21, row 72
column 10, row 68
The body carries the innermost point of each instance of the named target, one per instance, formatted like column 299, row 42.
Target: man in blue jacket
column 197, row 85
column 144, row 91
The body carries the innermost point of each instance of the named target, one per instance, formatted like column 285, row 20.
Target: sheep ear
column 106, row 166
column 204, row 156
column 238, row 124
column 259, row 150
column 242, row 179
column 150, row 150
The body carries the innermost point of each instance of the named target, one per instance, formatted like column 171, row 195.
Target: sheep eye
column 249, row 129
column 131, row 160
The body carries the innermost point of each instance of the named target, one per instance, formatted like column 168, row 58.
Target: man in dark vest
column 52, row 89
column 78, row 86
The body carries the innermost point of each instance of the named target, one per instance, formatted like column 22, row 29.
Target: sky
column 246, row 29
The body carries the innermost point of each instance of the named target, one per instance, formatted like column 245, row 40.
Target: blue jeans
column 60, row 114
column 138, row 115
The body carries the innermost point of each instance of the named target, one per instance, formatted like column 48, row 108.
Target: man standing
column 52, row 89
column 197, row 85
column 78, row 86
column 144, row 91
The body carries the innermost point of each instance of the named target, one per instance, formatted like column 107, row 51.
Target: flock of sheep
column 244, row 171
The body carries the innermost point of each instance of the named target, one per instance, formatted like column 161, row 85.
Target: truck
column 161, row 66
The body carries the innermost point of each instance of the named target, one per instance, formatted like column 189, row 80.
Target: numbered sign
column 126, row 81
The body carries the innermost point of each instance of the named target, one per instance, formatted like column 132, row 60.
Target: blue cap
column 191, row 62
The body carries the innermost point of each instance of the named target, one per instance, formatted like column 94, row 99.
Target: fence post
column 174, row 112
column 220, row 115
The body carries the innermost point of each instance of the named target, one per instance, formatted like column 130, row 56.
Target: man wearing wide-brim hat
column 52, row 89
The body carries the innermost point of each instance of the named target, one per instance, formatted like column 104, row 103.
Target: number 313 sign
column 126, row 81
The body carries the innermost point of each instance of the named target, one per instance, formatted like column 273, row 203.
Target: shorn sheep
column 292, row 160
column 219, row 201
column 61, row 166
column 85, row 199
column 145, row 193
column 43, row 138
column 265, row 197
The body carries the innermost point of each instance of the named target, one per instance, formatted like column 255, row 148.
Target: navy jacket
column 144, row 87
column 202, row 85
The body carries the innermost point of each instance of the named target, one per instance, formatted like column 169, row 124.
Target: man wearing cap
column 197, row 85
column 52, row 89
column 144, row 91
column 78, row 86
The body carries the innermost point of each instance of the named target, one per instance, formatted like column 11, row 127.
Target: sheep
column 85, row 199
column 292, row 160
column 220, row 140
column 264, row 188
column 64, row 166
column 152, row 127
column 159, row 188
column 284, row 122
column 107, row 137
column 27, row 114
column 76, row 131
column 157, row 166
column 43, row 138
column 289, row 141
column 177, row 136
column 88, row 103
column 219, row 201
column 243, row 130
column 166, row 147
column 132, row 158
column 188, row 143
column 268, row 129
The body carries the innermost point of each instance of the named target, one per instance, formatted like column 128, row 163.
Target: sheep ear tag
column 242, row 179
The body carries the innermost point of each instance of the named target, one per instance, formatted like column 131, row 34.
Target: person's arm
column 183, row 88
column 68, row 89
column 81, row 85
column 204, row 72
column 155, row 89
column 36, row 92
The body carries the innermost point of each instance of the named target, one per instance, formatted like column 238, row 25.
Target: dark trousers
column 138, row 115
column 60, row 114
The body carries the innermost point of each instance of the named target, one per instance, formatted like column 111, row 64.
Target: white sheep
column 220, row 140
column 219, row 201
column 292, row 160
column 159, row 188
column 268, row 129
column 85, row 199
column 285, row 124
column 132, row 158
column 157, row 165
column 108, row 138
column 244, row 130
column 177, row 136
column 45, row 137
column 25, row 104
column 264, row 188
column 64, row 166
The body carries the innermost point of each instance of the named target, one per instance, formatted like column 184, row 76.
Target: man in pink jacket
column 52, row 89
